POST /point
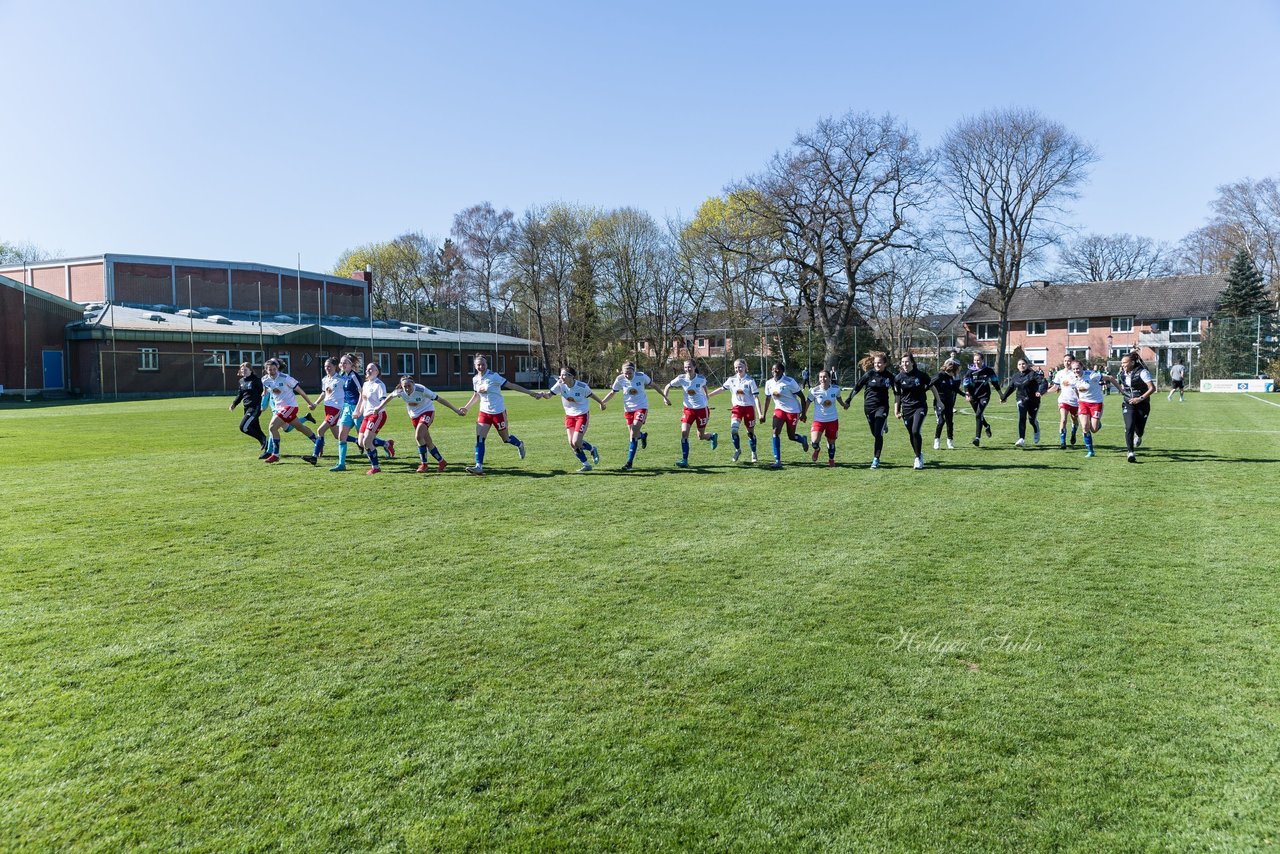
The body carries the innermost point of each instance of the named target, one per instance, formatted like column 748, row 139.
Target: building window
column 217, row 358
column 283, row 359
column 457, row 364
column 148, row 359
column 526, row 364
column 702, row 342
column 1122, row 324
column 1078, row 326
column 253, row 357
column 404, row 363
column 428, row 364
column 1117, row 352
column 1036, row 327
column 502, row 364
column 1081, row 353
column 1184, row 330
column 384, row 362
column 987, row 331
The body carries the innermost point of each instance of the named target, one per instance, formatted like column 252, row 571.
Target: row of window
column 1178, row 326
column 405, row 363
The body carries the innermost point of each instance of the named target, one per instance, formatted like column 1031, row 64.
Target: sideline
column 1264, row 400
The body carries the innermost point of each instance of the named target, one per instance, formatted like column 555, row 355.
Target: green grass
column 199, row 651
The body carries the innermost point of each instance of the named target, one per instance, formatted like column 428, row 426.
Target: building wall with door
column 46, row 318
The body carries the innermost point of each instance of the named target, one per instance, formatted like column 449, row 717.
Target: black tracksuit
column 1026, row 385
column 977, row 384
column 1132, row 385
column 875, row 403
column 945, row 388
column 251, row 396
column 912, row 391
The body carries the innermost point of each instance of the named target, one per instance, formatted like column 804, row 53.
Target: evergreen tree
column 1244, row 295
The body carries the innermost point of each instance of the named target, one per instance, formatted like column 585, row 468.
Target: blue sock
column 373, row 456
column 631, row 450
column 318, row 448
column 582, row 455
column 1088, row 441
column 342, row 452
column 379, row 442
column 684, row 449
column 512, row 440
column 586, row 446
column 273, row 446
column 777, row 447
column 435, row 452
column 752, row 440
column 479, row 452
column 831, row 451
column 737, row 443
column 288, row 428
column 422, row 453
column 1062, row 437
column 798, row 439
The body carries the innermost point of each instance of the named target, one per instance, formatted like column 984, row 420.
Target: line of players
column 349, row 403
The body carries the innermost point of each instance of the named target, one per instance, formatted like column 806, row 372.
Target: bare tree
column 632, row 249
column 482, row 235
column 529, row 251
column 1113, row 257
column 1007, row 174
column 22, row 252
column 1206, row 251
column 840, row 197
column 913, row 288
column 1249, row 214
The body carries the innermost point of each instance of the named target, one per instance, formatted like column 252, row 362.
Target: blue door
column 52, row 368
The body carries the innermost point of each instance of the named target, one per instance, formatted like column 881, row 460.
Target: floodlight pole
column 25, row 381
column 191, row 323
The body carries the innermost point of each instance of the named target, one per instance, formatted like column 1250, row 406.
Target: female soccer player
column 1137, row 386
column 694, row 387
column 1029, row 386
column 251, row 396
column 331, row 396
column 1088, row 385
column 487, row 387
column 977, row 384
column 635, row 406
column 283, row 389
column 911, row 403
column 745, row 407
column 348, row 417
column 875, row 403
column 575, row 396
column 1068, row 402
column 789, row 407
column 826, row 417
column 419, row 401
column 373, row 396
column 945, row 385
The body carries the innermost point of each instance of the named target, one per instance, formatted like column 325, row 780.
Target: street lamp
column 937, row 341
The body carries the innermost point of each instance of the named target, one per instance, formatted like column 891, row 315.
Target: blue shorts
column 348, row 416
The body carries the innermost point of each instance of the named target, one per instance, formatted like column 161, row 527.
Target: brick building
column 33, row 346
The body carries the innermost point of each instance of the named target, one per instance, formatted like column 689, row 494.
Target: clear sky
column 255, row 131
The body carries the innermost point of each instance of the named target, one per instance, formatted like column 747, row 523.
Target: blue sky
column 255, row 131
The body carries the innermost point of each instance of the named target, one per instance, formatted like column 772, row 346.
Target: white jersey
column 418, row 401
column 743, row 390
column 695, row 390
column 632, row 390
column 489, row 386
column 824, row 403
column 331, row 389
column 576, row 398
column 1065, row 380
column 281, row 389
column 1089, row 387
column 1177, row 372
column 785, row 393
column 374, row 392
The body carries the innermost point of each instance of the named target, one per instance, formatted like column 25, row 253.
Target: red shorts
column 576, row 423
column 695, row 416
column 331, row 414
column 791, row 419
column 826, row 428
column 636, row 416
column 745, row 414
column 423, row 420
column 497, row 419
column 288, row 415
column 1090, row 410
column 373, row 422
column 1069, row 407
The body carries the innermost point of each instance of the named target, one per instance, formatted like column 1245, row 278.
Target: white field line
column 1268, row 402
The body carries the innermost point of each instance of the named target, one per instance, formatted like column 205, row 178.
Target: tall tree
column 1113, row 257
column 22, row 252
column 529, row 252
column 1007, row 175
column 1244, row 295
column 482, row 235
column 632, row 250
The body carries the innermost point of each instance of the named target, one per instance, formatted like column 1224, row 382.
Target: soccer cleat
column 776, row 464
column 264, row 455
column 976, row 442
column 754, row 458
column 1021, row 443
column 987, row 427
column 1062, row 446
column 422, row 468
column 715, row 441
column 1137, row 441
column 476, row 470
column 310, row 459
column 937, row 443
column 440, row 466
column 875, row 462
column 737, row 452
column 1036, row 437
column 682, row 464
column 586, row 467
column 520, row 449
column 272, row 458
column 1089, row 452
column 338, row 467
column 626, row 467
column 814, row 457
column 831, row 464
column 373, row 470
column 644, row 440
column 595, row 456
column 1132, row 458
column 919, row 463
column 391, row 448
column 950, row 445
column 1073, row 438
column 804, row 443
column 309, row 418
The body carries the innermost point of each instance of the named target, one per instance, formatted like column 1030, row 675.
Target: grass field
column 1011, row 650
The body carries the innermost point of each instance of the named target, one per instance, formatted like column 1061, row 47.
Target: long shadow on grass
column 1183, row 455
